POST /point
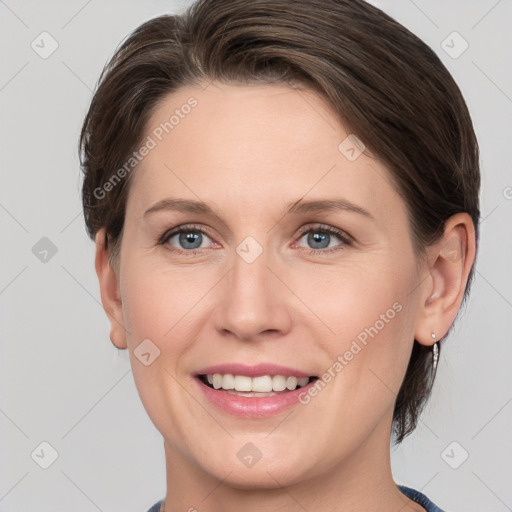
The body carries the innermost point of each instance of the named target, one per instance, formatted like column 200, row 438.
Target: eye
column 320, row 238
column 186, row 239
column 191, row 240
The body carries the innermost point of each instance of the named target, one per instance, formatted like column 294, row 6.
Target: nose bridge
column 251, row 301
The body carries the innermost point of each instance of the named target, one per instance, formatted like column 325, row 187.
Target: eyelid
column 329, row 229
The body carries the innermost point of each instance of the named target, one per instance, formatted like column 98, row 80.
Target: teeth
column 262, row 384
column 291, row 383
column 242, row 383
column 228, row 382
column 279, row 382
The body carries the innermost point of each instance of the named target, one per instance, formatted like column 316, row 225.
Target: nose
column 253, row 302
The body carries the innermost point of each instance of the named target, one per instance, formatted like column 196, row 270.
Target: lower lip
column 252, row 407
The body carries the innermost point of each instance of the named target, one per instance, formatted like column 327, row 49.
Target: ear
column 450, row 261
column 109, row 290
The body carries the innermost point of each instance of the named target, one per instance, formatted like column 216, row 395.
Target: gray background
column 62, row 381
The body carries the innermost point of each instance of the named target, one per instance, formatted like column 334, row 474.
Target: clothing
column 156, row 507
column 419, row 498
column 415, row 496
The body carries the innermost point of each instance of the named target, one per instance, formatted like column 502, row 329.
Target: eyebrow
column 326, row 205
column 296, row 207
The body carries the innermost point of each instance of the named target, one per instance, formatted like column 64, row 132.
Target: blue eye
column 187, row 239
column 324, row 237
column 318, row 239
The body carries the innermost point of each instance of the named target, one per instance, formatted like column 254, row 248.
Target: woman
column 284, row 200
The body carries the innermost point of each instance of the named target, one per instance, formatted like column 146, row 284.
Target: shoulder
column 419, row 498
column 156, row 506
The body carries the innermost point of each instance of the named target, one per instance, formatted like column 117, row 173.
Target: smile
column 264, row 385
column 252, row 396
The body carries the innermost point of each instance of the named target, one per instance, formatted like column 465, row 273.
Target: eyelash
column 346, row 239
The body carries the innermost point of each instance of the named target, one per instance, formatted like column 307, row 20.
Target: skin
column 248, row 152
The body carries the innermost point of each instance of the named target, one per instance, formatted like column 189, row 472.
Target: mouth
column 258, row 386
column 253, row 391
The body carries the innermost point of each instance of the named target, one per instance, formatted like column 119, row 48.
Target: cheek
column 157, row 302
column 357, row 298
column 369, row 314
column 162, row 307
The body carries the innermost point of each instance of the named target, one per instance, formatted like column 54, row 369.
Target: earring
column 435, row 352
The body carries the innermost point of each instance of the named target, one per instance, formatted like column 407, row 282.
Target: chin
column 279, row 469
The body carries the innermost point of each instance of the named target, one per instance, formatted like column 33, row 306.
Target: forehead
column 230, row 121
column 240, row 144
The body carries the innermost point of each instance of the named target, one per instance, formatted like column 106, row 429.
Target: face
column 253, row 238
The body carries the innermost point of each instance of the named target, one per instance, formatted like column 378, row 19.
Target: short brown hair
column 386, row 85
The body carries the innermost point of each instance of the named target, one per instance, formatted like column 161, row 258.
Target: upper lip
column 252, row 371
